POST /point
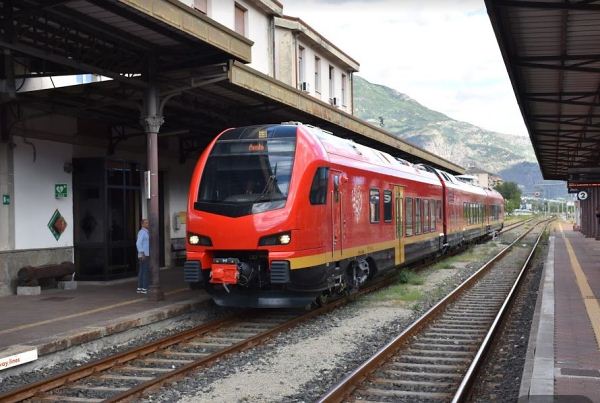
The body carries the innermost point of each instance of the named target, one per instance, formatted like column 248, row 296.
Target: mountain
column 529, row 176
column 459, row 142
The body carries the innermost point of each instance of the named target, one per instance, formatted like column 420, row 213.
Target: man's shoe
column 143, row 291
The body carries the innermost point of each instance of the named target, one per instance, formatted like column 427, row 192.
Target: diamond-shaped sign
column 57, row 224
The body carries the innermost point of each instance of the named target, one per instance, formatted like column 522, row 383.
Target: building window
column 387, row 206
column 374, row 205
column 301, row 72
column 201, row 5
column 343, row 90
column 409, row 216
column 240, row 19
column 332, row 85
column 317, row 74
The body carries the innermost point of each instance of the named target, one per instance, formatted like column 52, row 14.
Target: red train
column 281, row 215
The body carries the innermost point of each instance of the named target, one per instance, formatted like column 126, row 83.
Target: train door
column 399, row 203
column 336, row 214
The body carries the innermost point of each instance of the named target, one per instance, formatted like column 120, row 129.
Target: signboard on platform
column 60, row 190
column 574, row 187
column 18, row 359
column 583, row 195
column 6, row 200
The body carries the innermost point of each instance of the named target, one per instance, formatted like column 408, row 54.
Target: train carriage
column 279, row 215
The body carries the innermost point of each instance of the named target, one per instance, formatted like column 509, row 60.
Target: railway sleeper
column 147, row 370
column 436, row 368
column 457, row 328
column 444, row 347
column 406, row 385
column 462, row 322
column 62, row 398
column 213, row 346
column 102, row 389
column 437, row 353
column 395, row 395
column 447, row 342
column 454, row 334
column 167, row 361
column 218, row 339
column 419, row 376
column 440, row 359
column 183, row 354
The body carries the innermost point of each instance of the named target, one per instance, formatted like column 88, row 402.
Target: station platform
column 564, row 345
column 58, row 319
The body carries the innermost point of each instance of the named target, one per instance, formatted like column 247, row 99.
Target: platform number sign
column 60, row 190
column 6, row 200
column 583, row 195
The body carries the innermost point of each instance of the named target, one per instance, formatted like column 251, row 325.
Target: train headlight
column 195, row 239
column 283, row 238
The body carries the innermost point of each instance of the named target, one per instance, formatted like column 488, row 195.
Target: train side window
column 432, row 205
column 438, row 207
column 418, row 221
column 426, row 215
column 387, row 206
column 409, row 216
column 374, row 205
column 318, row 189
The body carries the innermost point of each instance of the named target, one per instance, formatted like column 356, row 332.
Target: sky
column 442, row 53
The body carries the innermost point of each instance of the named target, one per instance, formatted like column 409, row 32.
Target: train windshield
column 248, row 171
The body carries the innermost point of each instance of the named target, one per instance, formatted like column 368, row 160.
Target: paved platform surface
column 58, row 319
column 569, row 319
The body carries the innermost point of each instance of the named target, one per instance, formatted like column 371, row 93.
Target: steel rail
column 480, row 356
column 342, row 390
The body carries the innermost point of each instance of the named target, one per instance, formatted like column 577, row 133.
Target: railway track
column 437, row 357
column 134, row 372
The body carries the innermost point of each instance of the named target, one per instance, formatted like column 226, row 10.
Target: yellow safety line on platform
column 592, row 306
column 91, row 311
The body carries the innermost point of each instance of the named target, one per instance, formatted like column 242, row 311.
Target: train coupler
column 224, row 271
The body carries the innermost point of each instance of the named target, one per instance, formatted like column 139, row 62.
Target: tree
column 512, row 195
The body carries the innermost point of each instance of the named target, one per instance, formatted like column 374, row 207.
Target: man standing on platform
column 143, row 251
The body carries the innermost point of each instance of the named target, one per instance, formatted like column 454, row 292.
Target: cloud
column 442, row 53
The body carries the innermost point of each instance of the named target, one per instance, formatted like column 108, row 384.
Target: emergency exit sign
column 6, row 200
column 60, row 190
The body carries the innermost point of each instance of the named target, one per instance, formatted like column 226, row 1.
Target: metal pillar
column 152, row 121
column 596, row 206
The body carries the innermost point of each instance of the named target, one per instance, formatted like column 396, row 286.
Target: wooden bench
column 30, row 276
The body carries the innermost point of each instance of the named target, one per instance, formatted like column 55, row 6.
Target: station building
column 77, row 120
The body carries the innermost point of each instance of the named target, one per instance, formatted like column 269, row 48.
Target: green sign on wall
column 6, row 200
column 60, row 190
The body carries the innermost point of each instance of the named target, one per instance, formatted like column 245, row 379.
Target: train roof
column 346, row 148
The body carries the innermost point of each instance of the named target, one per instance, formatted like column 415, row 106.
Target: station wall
column 38, row 166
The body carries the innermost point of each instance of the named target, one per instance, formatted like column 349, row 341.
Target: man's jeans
column 144, row 272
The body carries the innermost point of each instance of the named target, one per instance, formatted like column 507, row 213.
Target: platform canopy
column 551, row 49
column 198, row 65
